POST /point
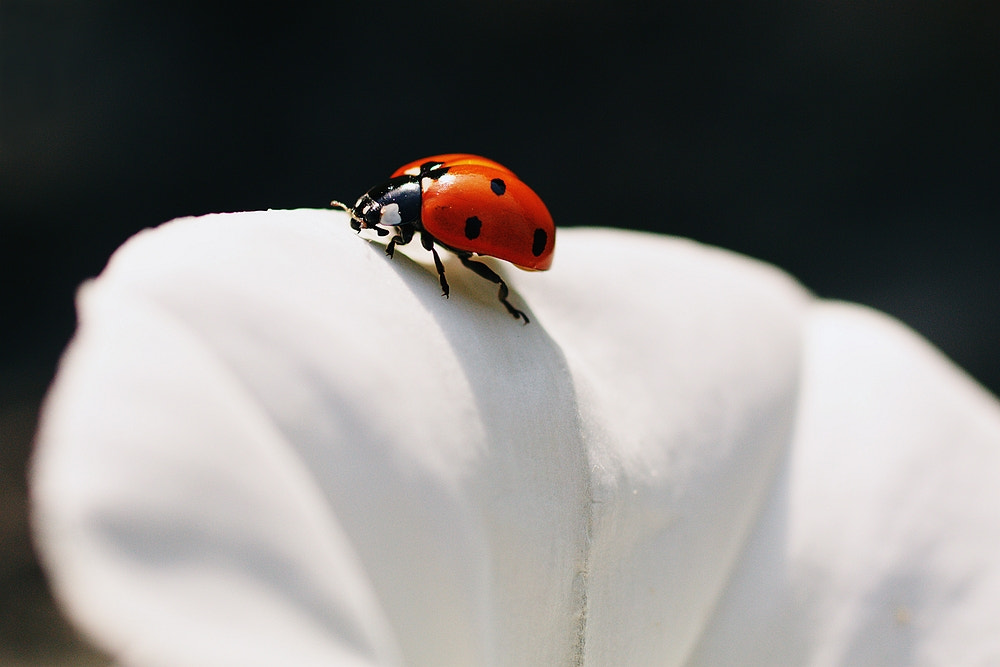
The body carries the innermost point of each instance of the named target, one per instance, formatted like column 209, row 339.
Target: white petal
column 271, row 444
column 881, row 540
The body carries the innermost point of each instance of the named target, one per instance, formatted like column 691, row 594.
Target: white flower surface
column 270, row 444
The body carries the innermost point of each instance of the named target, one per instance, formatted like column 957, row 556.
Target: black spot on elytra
column 498, row 186
column 538, row 244
column 473, row 226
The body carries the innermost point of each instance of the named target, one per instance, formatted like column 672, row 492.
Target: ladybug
column 468, row 204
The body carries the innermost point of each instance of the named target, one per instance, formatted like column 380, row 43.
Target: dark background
column 855, row 144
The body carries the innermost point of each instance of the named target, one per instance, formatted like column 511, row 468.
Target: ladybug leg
column 403, row 236
column 378, row 230
column 491, row 275
column 427, row 241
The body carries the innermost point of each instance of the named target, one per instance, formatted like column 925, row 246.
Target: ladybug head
column 365, row 214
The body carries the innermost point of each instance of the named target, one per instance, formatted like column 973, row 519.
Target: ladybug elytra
column 468, row 204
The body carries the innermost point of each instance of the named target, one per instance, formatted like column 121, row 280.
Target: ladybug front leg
column 403, row 235
column 491, row 275
column 427, row 241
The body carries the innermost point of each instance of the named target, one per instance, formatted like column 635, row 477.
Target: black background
column 855, row 144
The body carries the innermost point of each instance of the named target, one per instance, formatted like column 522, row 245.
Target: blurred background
column 854, row 144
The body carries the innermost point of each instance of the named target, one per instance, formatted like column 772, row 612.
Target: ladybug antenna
column 355, row 220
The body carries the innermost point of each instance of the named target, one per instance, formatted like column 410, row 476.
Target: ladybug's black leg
column 427, row 241
column 491, row 275
column 404, row 235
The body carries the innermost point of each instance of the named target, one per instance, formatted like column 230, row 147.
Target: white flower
column 270, row 444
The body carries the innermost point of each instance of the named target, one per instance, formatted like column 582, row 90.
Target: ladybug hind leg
column 486, row 272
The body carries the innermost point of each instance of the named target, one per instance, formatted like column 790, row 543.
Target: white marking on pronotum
column 389, row 215
column 444, row 179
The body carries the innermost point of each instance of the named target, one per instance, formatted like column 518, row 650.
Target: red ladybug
column 466, row 203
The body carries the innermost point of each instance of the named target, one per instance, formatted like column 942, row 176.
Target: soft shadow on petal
column 259, row 401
